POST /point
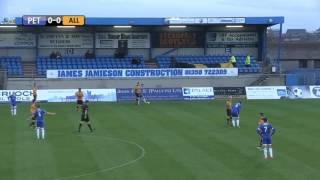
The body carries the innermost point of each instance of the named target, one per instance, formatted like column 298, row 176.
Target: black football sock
column 89, row 125
column 31, row 124
column 79, row 127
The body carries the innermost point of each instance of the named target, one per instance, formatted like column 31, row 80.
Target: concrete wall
column 289, row 65
column 275, row 81
column 64, row 52
column 178, row 52
column 243, row 51
column 295, row 50
column 24, row 83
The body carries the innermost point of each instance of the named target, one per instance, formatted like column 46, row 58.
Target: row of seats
column 44, row 63
column 12, row 64
column 165, row 61
column 77, row 58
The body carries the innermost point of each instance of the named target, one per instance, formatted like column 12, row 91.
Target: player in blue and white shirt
column 13, row 104
column 266, row 132
column 235, row 113
column 40, row 121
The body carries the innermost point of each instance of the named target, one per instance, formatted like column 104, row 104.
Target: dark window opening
column 303, row 64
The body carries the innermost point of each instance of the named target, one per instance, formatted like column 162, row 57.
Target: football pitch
column 177, row 140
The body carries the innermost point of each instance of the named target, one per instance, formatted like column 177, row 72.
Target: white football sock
column 238, row 122
column 271, row 152
column 42, row 132
column 14, row 110
column 265, row 152
column 38, row 133
column 233, row 122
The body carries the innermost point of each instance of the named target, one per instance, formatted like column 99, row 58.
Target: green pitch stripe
column 73, row 156
column 157, row 154
column 176, row 147
column 224, row 148
column 8, row 143
column 34, row 158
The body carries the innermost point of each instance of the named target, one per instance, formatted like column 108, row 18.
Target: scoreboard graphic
column 34, row 20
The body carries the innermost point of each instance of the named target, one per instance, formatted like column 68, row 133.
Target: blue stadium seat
column 164, row 61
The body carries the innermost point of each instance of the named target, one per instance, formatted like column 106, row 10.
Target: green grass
column 162, row 141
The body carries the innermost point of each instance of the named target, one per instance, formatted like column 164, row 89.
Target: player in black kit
column 85, row 116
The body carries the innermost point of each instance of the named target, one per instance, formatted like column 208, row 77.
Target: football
column 297, row 92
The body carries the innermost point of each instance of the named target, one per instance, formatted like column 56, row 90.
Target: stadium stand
column 109, row 62
column 12, row 64
column 165, row 62
column 44, row 63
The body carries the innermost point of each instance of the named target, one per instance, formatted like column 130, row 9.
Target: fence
column 303, row 77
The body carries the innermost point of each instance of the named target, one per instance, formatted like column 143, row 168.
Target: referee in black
column 85, row 116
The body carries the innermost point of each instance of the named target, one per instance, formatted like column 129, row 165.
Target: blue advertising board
column 140, row 73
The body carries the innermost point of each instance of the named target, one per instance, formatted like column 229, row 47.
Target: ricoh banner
column 22, row 95
column 111, row 39
column 60, row 95
column 140, row 73
column 65, row 40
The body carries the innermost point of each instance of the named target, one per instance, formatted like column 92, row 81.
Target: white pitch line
column 143, row 152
